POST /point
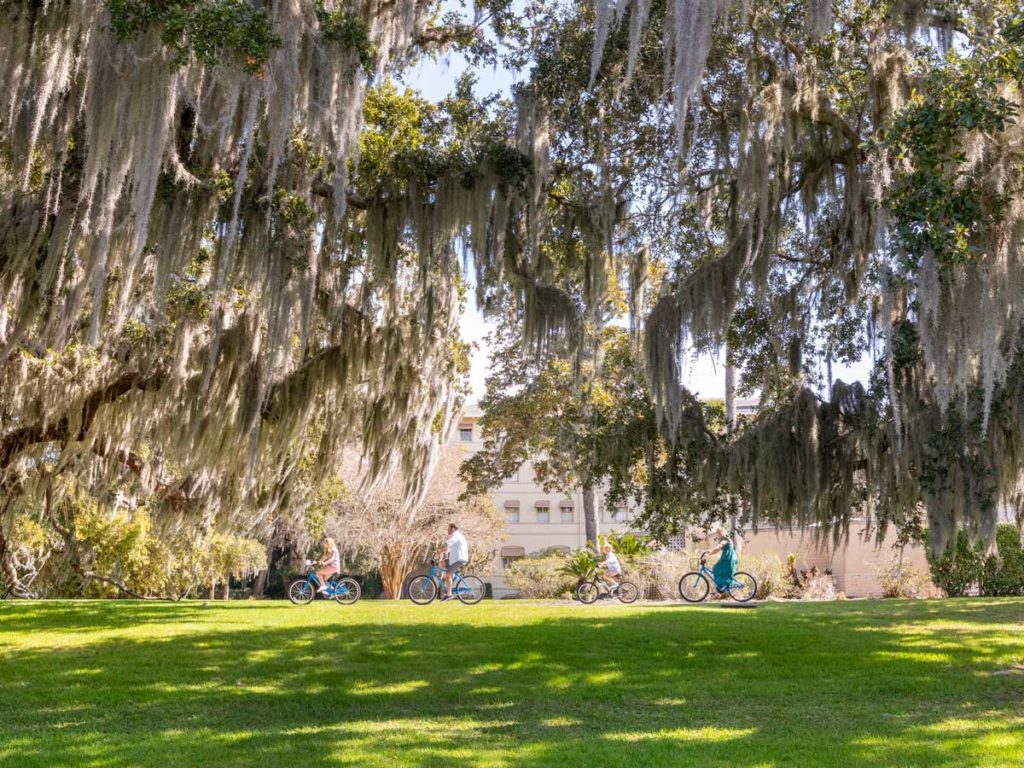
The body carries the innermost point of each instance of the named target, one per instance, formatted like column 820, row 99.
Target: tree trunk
column 213, row 589
column 590, row 516
column 730, row 393
column 6, row 568
column 730, row 420
column 259, row 587
column 227, row 590
column 393, row 571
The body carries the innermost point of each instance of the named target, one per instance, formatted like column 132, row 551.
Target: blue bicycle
column 423, row 589
column 344, row 591
column 695, row 585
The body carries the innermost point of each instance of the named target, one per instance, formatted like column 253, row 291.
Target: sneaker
column 323, row 590
column 446, row 598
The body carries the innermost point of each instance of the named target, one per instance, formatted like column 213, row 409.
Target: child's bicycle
column 344, row 590
column 695, row 585
column 589, row 591
column 423, row 589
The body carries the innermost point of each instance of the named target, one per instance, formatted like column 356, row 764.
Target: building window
column 511, row 514
column 466, row 434
column 617, row 515
column 510, row 554
column 565, row 513
column 543, row 514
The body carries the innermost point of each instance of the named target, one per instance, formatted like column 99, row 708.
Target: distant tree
column 381, row 527
column 230, row 556
column 582, row 428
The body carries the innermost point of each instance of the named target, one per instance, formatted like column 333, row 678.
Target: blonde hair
column 607, row 547
column 330, row 544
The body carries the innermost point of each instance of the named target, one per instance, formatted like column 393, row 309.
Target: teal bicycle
column 695, row 585
column 424, row 589
column 343, row 590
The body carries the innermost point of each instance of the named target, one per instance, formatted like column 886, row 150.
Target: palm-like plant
column 581, row 564
column 629, row 544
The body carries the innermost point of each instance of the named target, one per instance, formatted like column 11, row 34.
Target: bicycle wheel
column 422, row 590
column 301, row 592
column 627, row 592
column 743, row 587
column 347, row 591
column 694, row 587
column 470, row 590
column 587, row 592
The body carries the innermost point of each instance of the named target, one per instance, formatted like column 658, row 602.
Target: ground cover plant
column 915, row 683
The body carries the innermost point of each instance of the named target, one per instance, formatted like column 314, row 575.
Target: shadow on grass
column 91, row 615
column 875, row 685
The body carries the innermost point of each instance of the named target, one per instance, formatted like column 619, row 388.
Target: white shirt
column 458, row 548
column 611, row 562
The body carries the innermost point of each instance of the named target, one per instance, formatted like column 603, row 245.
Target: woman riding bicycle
column 725, row 569
column 328, row 564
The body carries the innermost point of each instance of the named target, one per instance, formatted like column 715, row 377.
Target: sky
column 435, row 79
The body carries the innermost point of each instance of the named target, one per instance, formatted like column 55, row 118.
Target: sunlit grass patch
column 704, row 735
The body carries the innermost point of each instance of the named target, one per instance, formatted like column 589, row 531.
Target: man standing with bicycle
column 456, row 554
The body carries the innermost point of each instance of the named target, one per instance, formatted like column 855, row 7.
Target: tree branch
column 22, row 438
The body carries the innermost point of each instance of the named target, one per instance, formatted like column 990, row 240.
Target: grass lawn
column 511, row 684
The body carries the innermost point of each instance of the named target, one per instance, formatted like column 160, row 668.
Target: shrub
column 657, row 574
column 541, row 577
column 818, row 586
column 580, row 565
column 958, row 568
column 809, row 584
column 1003, row 572
column 629, row 544
column 900, row 580
column 771, row 574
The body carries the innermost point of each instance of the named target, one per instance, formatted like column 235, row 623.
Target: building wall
column 854, row 563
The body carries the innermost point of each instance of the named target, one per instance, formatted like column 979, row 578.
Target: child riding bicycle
column 610, row 569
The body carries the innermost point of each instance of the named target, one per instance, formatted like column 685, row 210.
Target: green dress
column 725, row 568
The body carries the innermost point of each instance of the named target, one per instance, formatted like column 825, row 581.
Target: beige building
column 536, row 520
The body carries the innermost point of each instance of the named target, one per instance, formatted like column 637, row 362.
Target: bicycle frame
column 436, row 573
column 333, row 587
column 707, row 574
column 608, row 585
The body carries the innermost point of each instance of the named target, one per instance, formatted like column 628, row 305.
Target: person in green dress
column 725, row 568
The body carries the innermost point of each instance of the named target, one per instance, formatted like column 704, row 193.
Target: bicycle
column 344, row 591
column 589, row 591
column 695, row 585
column 424, row 589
